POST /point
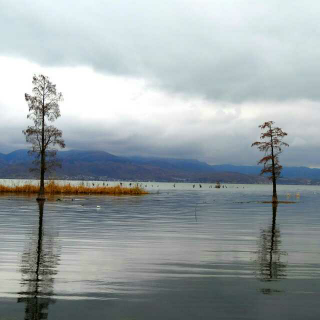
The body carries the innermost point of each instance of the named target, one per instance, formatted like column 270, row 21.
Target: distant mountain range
column 100, row 165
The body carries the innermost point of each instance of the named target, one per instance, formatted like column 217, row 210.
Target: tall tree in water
column 43, row 108
column 272, row 147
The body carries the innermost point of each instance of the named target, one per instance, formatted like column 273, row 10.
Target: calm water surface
column 181, row 252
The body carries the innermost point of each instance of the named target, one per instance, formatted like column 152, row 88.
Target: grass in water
column 52, row 188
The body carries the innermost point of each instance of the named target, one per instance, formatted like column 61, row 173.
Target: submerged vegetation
column 52, row 189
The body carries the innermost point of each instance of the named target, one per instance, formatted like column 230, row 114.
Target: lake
column 181, row 252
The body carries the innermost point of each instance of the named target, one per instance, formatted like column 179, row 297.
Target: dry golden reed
column 52, row 188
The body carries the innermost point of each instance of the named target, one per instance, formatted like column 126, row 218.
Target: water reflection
column 270, row 264
column 38, row 268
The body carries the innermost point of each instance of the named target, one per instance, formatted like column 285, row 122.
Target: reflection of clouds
column 269, row 254
column 38, row 268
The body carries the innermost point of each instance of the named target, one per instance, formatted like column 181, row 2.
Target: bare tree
column 43, row 107
column 272, row 148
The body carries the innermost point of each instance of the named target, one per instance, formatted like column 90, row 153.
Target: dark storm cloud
column 221, row 50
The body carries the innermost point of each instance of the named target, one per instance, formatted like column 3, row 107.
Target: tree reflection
column 38, row 268
column 269, row 255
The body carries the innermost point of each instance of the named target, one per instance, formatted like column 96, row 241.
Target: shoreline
column 53, row 188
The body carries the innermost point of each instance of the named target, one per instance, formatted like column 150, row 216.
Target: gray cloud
column 219, row 138
column 220, row 50
column 258, row 60
column 218, row 141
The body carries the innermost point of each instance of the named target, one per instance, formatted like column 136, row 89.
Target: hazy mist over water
column 181, row 252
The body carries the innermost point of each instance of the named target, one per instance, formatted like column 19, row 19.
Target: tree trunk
column 41, row 195
column 274, row 193
column 274, row 182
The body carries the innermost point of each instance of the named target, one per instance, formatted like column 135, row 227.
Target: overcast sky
column 178, row 78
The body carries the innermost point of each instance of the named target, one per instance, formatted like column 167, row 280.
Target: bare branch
column 272, row 148
column 43, row 106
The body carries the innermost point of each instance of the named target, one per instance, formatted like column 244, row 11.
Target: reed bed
column 52, row 188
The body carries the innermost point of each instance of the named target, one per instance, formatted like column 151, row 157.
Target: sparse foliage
column 43, row 107
column 272, row 148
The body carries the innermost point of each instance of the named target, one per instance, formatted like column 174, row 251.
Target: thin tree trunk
column 41, row 195
column 274, row 182
column 274, row 193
